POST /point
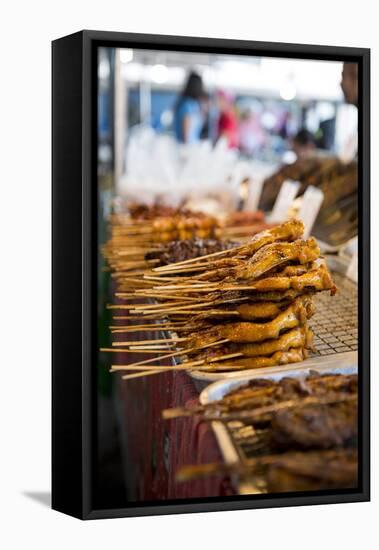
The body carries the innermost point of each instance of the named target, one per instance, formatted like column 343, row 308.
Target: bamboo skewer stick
column 174, row 354
column 158, row 347
column 147, row 328
column 120, row 274
column 132, row 350
column 170, row 273
column 196, row 267
column 163, row 325
column 160, row 279
column 199, row 301
column 159, row 306
column 208, row 287
column 158, row 314
column 131, row 252
column 161, row 300
column 172, row 309
column 158, row 341
column 187, row 312
column 119, row 306
column 134, row 264
column 179, row 311
column 156, row 369
column 171, row 296
column 192, row 260
column 151, row 360
column 184, row 366
column 166, row 311
column 185, row 286
column 135, row 317
column 154, row 325
column 144, row 307
column 138, row 348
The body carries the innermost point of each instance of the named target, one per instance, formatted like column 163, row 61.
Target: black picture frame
column 74, row 206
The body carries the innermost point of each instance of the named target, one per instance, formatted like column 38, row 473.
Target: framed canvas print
column 210, row 274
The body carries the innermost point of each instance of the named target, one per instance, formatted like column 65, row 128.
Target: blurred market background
column 271, row 101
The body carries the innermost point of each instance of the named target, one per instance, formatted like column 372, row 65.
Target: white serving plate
column 338, row 360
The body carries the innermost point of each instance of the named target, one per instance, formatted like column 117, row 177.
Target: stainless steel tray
column 229, row 448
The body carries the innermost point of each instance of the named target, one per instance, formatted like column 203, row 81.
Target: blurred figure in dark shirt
column 304, row 144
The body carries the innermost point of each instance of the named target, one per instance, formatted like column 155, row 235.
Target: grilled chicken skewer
column 291, row 471
column 246, row 332
column 300, row 337
column 244, row 312
column 267, row 258
column 293, row 355
column 318, row 279
column 262, row 393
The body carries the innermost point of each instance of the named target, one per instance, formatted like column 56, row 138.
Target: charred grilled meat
column 261, row 393
column 178, row 251
column 312, row 471
column 316, row 426
column 288, row 472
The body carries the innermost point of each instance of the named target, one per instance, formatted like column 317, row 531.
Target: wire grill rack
column 335, row 323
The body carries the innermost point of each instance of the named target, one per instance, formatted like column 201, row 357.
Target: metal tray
column 229, row 447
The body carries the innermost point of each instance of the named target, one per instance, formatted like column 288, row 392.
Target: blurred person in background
column 325, row 135
column 251, row 135
column 205, row 105
column 188, row 112
column 349, row 83
column 227, row 125
column 304, row 144
column 284, row 124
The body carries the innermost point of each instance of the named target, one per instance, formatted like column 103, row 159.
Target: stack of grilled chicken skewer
column 241, row 308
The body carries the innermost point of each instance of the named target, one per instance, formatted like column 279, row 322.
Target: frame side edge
column 67, row 275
